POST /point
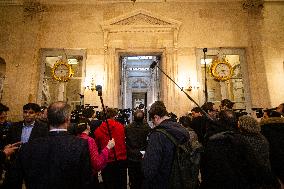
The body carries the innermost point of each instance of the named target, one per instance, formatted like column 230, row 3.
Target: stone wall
column 211, row 25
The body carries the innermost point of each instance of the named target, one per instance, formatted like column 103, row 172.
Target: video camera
column 86, row 111
column 123, row 116
column 259, row 111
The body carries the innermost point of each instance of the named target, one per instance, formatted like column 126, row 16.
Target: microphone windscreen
column 153, row 65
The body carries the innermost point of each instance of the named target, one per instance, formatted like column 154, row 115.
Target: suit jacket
column 40, row 129
column 136, row 140
column 58, row 161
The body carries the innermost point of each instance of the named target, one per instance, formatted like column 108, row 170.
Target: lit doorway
column 139, row 100
column 140, row 85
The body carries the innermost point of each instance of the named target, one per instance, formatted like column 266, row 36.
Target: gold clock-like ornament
column 62, row 71
column 221, row 70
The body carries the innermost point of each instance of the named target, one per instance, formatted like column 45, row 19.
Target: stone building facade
column 101, row 32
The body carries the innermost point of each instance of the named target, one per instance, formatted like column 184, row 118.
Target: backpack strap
column 169, row 136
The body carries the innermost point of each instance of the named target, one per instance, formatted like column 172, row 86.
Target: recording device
column 173, row 117
column 259, row 111
column 123, row 116
column 80, row 111
column 272, row 112
column 153, row 65
column 240, row 112
column 141, row 106
column 204, row 50
column 99, row 89
column 81, row 95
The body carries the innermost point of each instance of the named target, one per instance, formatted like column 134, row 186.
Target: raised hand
column 111, row 144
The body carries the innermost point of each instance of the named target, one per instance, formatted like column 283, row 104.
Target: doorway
column 140, row 85
column 139, row 100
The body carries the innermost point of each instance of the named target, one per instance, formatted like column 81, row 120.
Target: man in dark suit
column 25, row 131
column 29, row 128
column 136, row 142
column 58, row 161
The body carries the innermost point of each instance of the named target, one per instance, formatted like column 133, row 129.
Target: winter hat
column 248, row 124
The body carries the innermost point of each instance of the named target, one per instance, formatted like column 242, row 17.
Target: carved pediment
column 140, row 18
column 140, row 22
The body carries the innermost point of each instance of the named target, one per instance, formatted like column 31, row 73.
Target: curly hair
column 227, row 103
column 111, row 113
column 158, row 108
column 208, row 106
column 249, row 124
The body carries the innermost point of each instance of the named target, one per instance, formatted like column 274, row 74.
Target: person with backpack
column 233, row 160
column 159, row 156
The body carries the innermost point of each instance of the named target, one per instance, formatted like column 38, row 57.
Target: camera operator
column 226, row 104
column 201, row 124
column 123, row 116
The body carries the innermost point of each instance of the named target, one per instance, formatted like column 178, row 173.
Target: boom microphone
column 153, row 65
column 81, row 95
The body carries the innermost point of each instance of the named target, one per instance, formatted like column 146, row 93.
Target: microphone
column 81, row 95
column 153, row 65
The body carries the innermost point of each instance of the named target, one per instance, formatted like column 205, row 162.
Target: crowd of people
column 47, row 150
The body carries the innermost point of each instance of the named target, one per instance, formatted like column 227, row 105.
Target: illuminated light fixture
column 72, row 61
column 194, row 86
column 89, row 84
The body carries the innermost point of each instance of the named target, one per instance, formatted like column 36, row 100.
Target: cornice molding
column 90, row 2
column 140, row 21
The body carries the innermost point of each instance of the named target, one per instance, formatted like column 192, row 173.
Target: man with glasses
column 159, row 153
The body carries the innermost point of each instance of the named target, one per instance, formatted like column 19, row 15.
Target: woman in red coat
column 115, row 173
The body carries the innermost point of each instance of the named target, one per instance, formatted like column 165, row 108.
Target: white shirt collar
column 57, row 130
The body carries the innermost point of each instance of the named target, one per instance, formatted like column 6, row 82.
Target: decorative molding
column 141, row 18
column 140, row 21
column 138, row 83
column 92, row 2
column 253, row 5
